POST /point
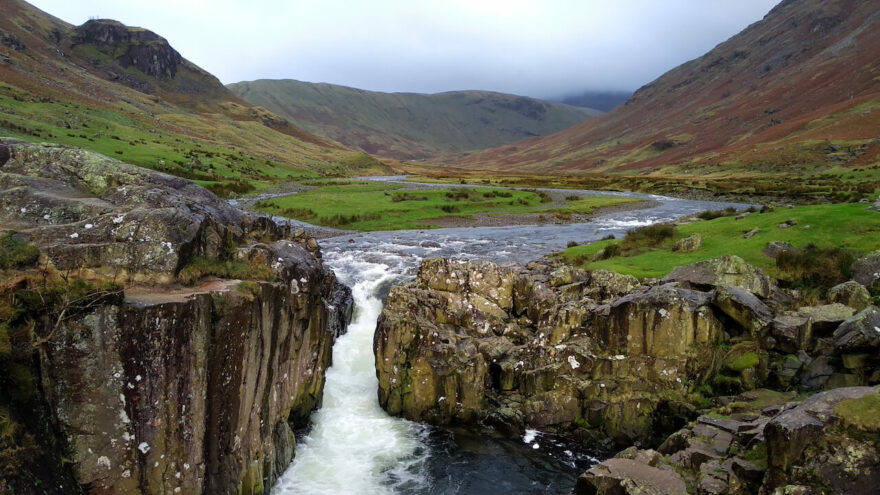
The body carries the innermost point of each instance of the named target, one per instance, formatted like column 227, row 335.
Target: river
column 354, row 447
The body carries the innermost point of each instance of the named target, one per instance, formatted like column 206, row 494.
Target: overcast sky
column 540, row 48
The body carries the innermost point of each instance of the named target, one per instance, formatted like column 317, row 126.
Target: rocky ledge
column 169, row 388
column 826, row 444
column 613, row 361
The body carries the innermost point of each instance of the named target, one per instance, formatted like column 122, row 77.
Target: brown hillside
column 801, row 88
column 126, row 91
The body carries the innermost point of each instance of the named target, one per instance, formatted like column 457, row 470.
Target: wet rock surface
column 171, row 389
column 608, row 360
column 542, row 346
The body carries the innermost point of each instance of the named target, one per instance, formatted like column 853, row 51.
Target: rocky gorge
column 201, row 339
column 714, row 366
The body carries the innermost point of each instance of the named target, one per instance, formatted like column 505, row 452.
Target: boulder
column 629, row 477
column 744, row 308
column 688, row 244
column 824, row 443
column 850, row 293
column 866, row 270
column 662, row 321
column 605, row 284
column 775, row 248
column 791, row 332
column 861, row 332
column 727, row 270
column 751, row 233
column 824, row 319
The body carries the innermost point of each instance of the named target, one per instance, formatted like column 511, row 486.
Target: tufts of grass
column 200, row 268
column 15, row 253
column 713, row 214
column 815, row 267
column 407, row 196
column 649, row 236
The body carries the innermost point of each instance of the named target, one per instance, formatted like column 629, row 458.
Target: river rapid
column 354, row 447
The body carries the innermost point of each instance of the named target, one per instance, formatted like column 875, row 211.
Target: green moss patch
column 863, row 413
column 743, row 362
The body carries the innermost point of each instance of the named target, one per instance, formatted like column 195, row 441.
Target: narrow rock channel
column 353, row 446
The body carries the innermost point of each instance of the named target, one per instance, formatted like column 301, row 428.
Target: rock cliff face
column 145, row 50
column 171, row 389
column 599, row 354
column 541, row 346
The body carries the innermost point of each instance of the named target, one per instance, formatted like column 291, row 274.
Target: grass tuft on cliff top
column 851, row 227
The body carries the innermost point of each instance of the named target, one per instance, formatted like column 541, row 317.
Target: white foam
column 354, row 446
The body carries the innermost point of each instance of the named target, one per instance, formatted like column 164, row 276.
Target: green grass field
column 368, row 206
column 848, row 226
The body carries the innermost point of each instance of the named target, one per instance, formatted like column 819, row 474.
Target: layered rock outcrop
column 170, row 389
column 539, row 346
column 599, row 354
column 827, row 443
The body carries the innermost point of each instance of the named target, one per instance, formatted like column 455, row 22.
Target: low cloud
column 543, row 49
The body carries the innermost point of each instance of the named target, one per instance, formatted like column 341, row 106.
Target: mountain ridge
column 126, row 92
column 807, row 72
column 408, row 125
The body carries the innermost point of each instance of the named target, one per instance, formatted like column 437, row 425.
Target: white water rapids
column 354, row 446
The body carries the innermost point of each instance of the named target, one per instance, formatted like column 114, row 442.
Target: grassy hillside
column 409, row 125
column 124, row 92
column 793, row 95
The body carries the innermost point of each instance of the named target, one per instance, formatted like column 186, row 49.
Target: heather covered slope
column 798, row 92
column 410, row 125
column 125, row 92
